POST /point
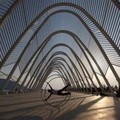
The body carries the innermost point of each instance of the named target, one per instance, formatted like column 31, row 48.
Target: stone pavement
column 30, row 106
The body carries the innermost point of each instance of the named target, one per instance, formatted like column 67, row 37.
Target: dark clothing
column 118, row 93
column 58, row 92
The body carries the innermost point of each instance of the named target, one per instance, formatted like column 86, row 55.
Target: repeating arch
column 48, row 40
column 85, row 51
column 53, row 6
column 77, row 58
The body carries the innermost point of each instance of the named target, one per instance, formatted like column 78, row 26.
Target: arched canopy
column 78, row 41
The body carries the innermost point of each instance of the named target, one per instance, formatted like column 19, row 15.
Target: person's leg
column 64, row 87
column 66, row 93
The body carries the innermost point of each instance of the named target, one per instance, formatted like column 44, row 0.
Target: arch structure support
column 60, row 42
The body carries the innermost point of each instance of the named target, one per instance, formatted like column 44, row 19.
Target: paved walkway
column 79, row 107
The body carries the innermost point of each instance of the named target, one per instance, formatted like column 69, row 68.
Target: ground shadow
column 27, row 118
column 70, row 115
column 117, row 107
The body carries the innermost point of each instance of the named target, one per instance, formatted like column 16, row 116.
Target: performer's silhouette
column 58, row 92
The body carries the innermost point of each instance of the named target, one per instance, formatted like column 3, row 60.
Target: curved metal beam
column 39, row 66
column 50, row 59
column 42, row 70
column 117, row 3
column 8, row 12
column 72, row 73
column 103, row 50
column 49, row 71
column 61, row 31
column 77, row 58
column 117, row 77
column 80, row 81
column 57, row 5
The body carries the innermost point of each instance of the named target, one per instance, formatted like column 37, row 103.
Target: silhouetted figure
column 16, row 90
column 102, row 93
column 118, row 93
column 93, row 90
column 115, row 88
column 58, row 92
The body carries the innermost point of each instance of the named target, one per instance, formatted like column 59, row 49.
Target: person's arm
column 48, row 97
column 49, row 85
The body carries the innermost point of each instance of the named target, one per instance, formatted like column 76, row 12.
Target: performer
column 57, row 92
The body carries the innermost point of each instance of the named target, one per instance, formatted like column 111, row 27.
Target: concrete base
column 29, row 106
